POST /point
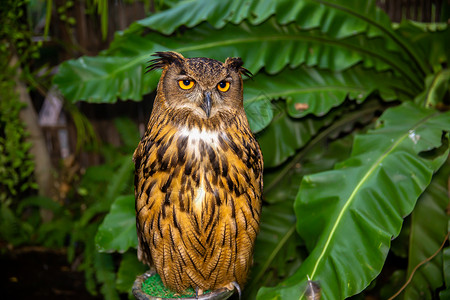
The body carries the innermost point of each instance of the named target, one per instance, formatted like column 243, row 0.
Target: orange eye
column 186, row 84
column 223, row 86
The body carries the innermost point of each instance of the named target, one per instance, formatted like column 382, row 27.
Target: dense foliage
column 16, row 164
column 351, row 112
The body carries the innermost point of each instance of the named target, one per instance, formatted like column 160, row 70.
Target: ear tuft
column 164, row 60
column 236, row 63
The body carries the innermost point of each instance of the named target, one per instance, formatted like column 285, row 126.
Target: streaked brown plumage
column 198, row 176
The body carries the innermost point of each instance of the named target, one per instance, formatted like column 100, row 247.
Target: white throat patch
column 196, row 135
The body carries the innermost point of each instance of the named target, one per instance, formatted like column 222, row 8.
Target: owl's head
column 201, row 85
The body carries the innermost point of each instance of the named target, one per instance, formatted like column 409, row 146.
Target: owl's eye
column 223, row 86
column 186, row 84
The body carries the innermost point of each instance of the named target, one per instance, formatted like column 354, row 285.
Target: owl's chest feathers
column 201, row 147
column 195, row 167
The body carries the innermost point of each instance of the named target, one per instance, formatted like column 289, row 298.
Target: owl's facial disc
column 203, row 87
column 205, row 98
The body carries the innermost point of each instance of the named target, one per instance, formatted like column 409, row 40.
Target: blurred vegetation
column 351, row 112
column 16, row 165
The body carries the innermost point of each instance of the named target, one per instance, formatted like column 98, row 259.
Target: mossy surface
column 154, row 286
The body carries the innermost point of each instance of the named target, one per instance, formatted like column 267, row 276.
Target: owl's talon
column 198, row 292
column 234, row 286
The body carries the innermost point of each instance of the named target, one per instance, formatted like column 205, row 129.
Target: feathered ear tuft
column 164, row 60
column 236, row 63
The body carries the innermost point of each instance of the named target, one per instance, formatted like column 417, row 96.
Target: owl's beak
column 206, row 105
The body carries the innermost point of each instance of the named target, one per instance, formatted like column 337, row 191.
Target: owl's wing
column 142, row 250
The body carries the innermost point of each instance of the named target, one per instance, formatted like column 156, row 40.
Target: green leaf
column 343, row 18
column 446, row 270
column 129, row 133
column 277, row 252
column 320, row 90
column 269, row 45
column 275, row 248
column 86, row 136
column 426, row 237
column 192, row 13
column 259, row 112
column 431, row 39
column 48, row 16
column 118, row 230
column 104, row 78
column 117, row 177
column 436, row 87
column 446, row 267
column 444, row 294
column 121, row 179
column 86, row 234
column 12, row 229
column 360, row 204
column 54, row 233
column 286, row 135
column 130, row 268
column 39, row 201
column 337, row 19
column 281, row 184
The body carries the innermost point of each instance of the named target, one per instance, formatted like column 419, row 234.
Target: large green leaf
column 360, row 204
column 343, row 18
column 268, row 45
column 275, row 253
column 259, row 111
column 428, row 230
column 281, row 184
column 272, row 46
column 104, row 78
column 335, row 18
column 320, row 90
column 118, row 230
column 278, row 249
column 286, row 135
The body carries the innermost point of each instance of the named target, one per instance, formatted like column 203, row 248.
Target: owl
column 198, row 176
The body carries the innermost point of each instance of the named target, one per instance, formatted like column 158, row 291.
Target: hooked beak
column 206, row 105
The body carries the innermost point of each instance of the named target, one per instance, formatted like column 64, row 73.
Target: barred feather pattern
column 198, row 185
